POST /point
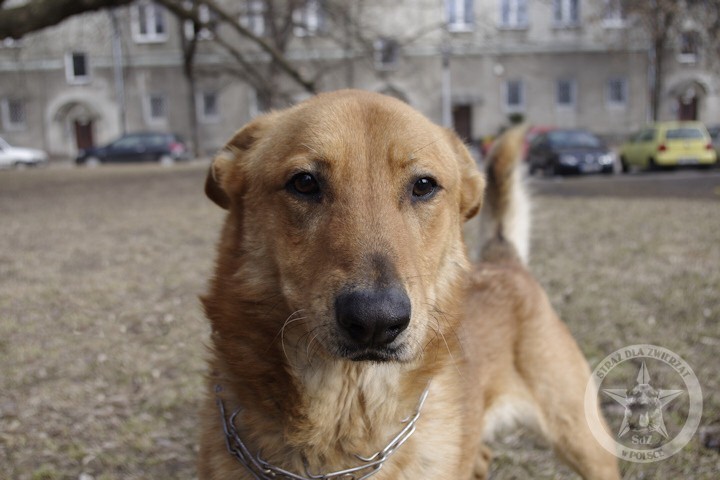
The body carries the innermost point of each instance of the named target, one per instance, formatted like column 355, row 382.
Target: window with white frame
column 617, row 92
column 253, row 16
column 77, row 68
column 514, row 95
column 308, row 19
column 613, row 16
column 155, row 108
column 689, row 47
column 387, row 53
column 149, row 23
column 208, row 106
column 12, row 111
column 566, row 93
column 513, row 13
column 460, row 15
column 566, row 13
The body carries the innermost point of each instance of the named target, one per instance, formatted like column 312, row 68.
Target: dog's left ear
column 472, row 182
column 225, row 176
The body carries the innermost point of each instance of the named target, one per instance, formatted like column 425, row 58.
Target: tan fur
column 507, row 210
column 477, row 336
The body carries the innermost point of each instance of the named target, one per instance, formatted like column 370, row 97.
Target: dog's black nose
column 373, row 318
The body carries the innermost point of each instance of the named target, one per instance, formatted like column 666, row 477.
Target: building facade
column 475, row 64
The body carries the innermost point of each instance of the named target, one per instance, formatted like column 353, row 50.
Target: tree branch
column 276, row 56
column 34, row 15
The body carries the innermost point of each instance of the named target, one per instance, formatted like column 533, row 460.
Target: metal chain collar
column 262, row 470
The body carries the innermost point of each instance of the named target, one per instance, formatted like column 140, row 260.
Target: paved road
column 694, row 184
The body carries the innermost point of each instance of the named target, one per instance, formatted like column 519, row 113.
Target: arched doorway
column 77, row 121
column 688, row 97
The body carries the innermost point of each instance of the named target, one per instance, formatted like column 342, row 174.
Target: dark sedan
column 559, row 152
column 164, row 148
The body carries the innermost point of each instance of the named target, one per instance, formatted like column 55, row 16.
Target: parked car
column 165, row 148
column 530, row 135
column 487, row 142
column 563, row 151
column 668, row 144
column 18, row 157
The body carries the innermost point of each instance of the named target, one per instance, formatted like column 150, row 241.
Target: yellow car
column 668, row 144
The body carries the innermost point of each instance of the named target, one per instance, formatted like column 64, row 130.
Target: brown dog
column 350, row 337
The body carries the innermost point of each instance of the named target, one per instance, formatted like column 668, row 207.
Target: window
column 208, row 23
column 514, row 96
column 573, row 139
column 613, row 16
column 566, row 13
column 308, row 19
column 128, row 142
column 513, row 13
column 77, row 70
column 155, row 108
column 387, row 53
column 687, row 133
column 253, row 18
column 12, row 111
column 646, row 136
column 9, row 42
column 566, row 93
column 689, row 47
column 208, row 106
column 617, row 92
column 459, row 15
column 148, row 23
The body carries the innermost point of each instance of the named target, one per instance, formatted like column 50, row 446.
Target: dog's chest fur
column 357, row 409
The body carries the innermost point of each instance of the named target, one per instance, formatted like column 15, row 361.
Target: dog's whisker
column 288, row 320
column 314, row 334
column 282, row 334
column 412, row 154
column 447, row 346
column 451, row 327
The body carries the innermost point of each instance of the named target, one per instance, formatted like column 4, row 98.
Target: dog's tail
column 505, row 219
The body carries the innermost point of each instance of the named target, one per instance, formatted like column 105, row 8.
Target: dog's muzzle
column 371, row 319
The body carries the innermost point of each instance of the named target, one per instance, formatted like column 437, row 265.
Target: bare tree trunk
column 189, row 49
column 658, row 75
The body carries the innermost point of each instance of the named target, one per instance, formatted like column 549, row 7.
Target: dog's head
column 344, row 231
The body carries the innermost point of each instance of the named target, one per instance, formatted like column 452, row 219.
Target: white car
column 17, row 157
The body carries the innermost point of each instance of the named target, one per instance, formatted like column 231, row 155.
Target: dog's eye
column 424, row 188
column 304, row 184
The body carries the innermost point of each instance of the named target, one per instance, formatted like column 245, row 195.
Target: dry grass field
column 102, row 339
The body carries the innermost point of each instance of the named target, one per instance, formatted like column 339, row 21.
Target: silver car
column 18, row 157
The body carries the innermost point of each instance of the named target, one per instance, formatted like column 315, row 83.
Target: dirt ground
column 102, row 340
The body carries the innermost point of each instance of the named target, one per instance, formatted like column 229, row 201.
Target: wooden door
column 462, row 121
column 687, row 109
column 83, row 134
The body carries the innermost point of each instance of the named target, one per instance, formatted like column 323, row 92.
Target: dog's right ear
column 225, row 177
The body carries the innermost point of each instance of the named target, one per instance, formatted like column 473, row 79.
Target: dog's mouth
column 373, row 355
